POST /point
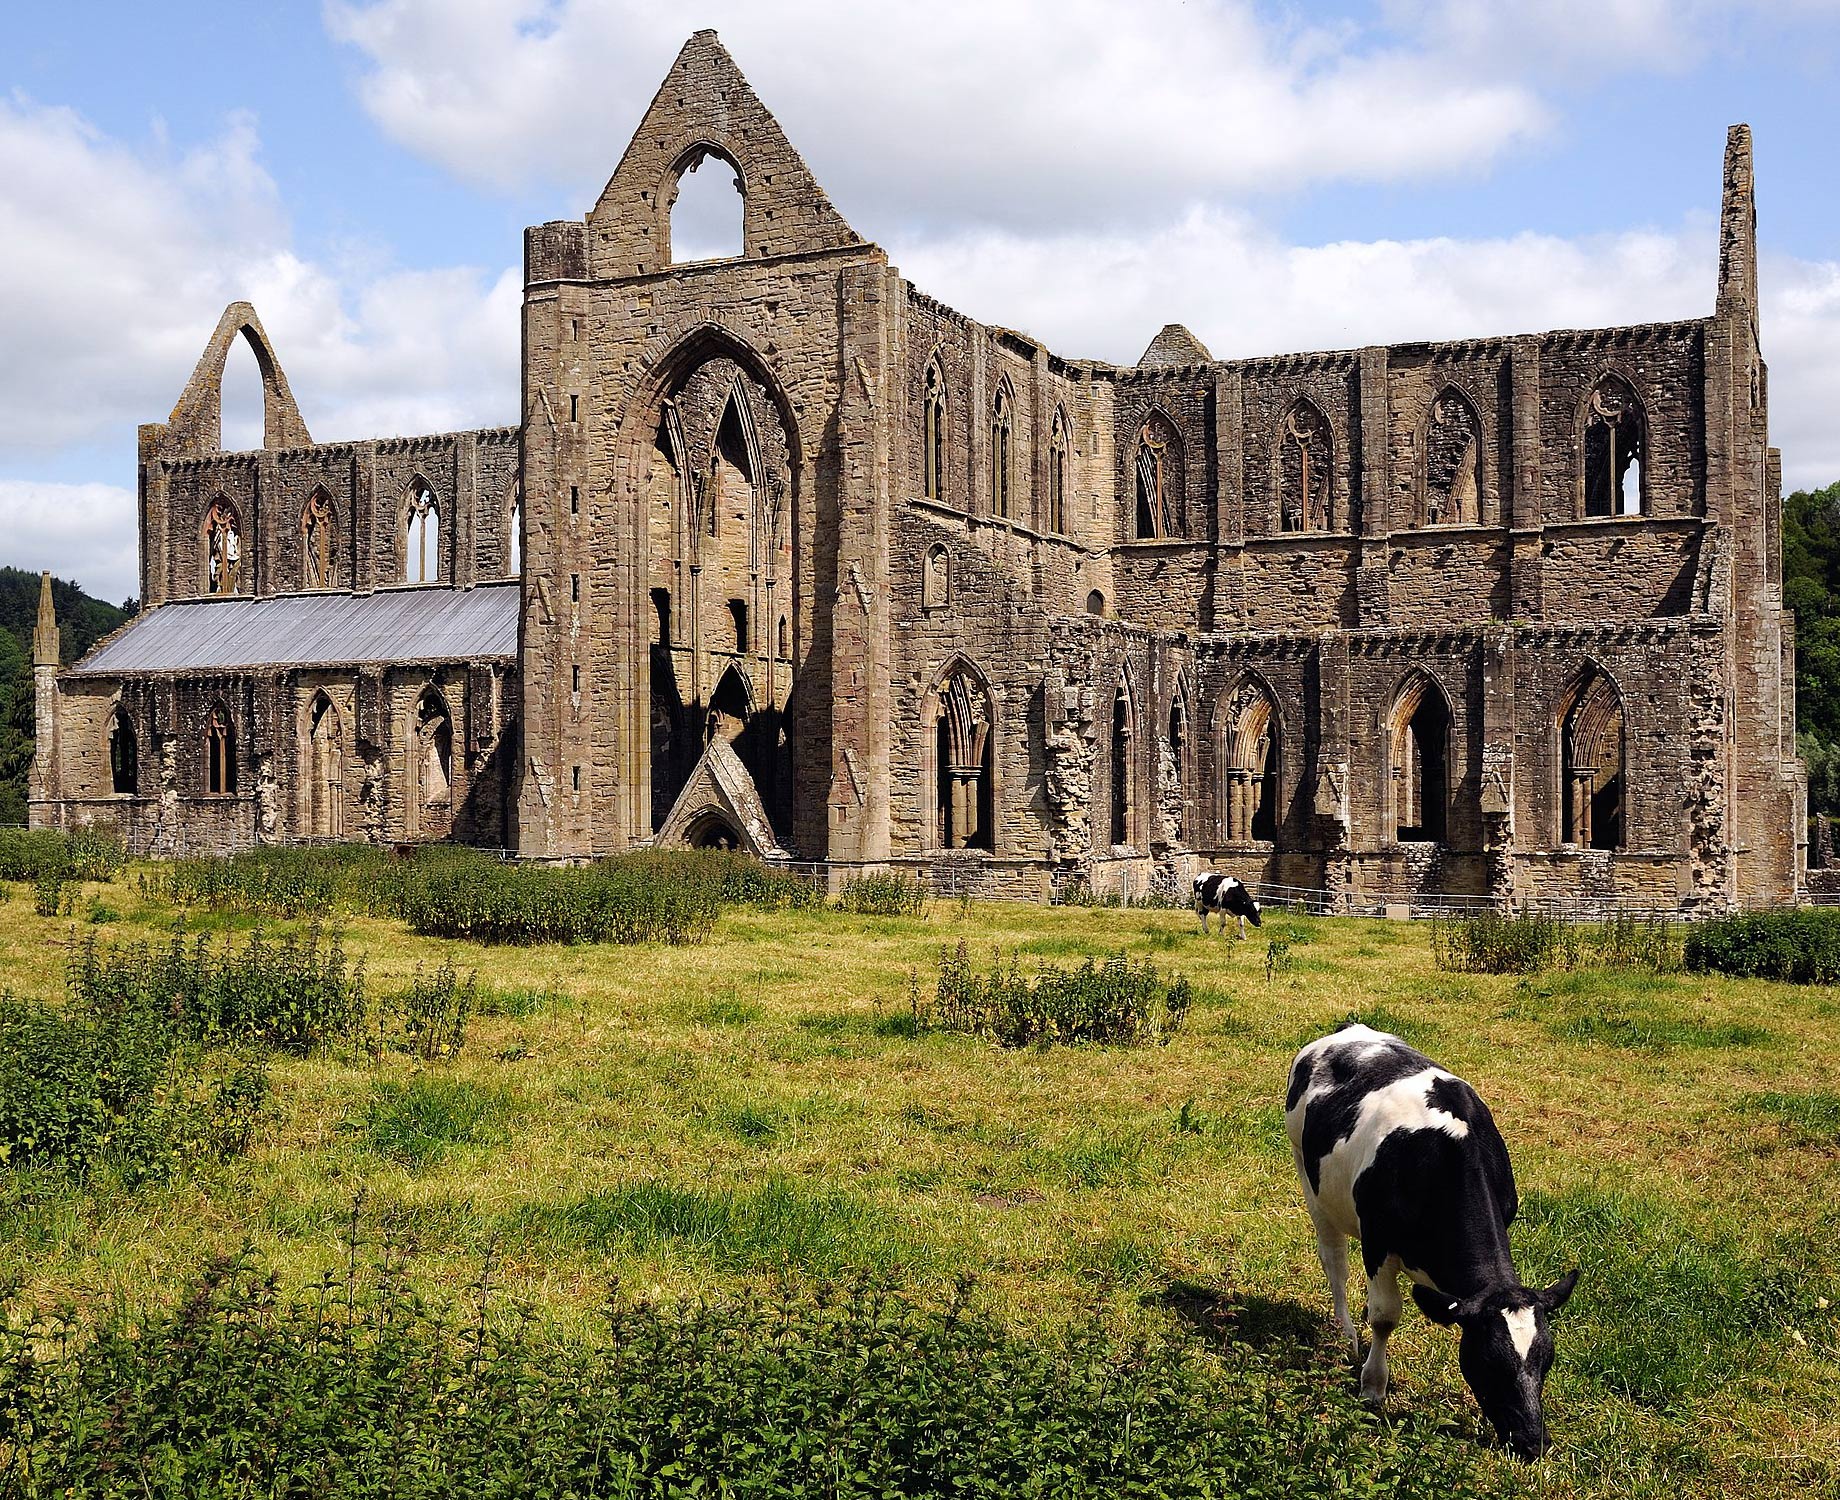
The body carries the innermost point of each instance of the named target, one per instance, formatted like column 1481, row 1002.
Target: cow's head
column 1505, row 1352
column 1253, row 915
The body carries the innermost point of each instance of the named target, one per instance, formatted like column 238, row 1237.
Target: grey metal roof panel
column 298, row 630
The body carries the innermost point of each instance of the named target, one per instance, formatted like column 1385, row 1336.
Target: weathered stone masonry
column 810, row 562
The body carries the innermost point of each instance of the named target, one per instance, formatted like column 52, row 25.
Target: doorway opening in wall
column 710, row 830
column 1421, row 765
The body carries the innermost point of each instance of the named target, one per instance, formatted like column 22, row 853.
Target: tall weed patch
column 33, row 855
column 1490, row 942
column 357, row 1388
column 1115, row 1002
column 1801, row 945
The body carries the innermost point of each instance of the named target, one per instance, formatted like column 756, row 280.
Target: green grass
column 705, row 1120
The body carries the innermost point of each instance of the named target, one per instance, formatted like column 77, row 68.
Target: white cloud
column 1073, row 112
column 80, row 531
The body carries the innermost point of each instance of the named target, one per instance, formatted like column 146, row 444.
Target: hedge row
column 1800, row 944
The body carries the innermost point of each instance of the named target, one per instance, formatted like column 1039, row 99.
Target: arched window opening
column 730, row 707
column 661, row 618
column 325, row 771
column 514, row 540
column 1001, row 424
column 1123, row 798
column 1173, row 772
column 1453, row 463
column 222, row 537
column 1057, row 474
column 1159, row 479
column 432, row 760
column 1095, row 603
column 242, row 400
column 1592, row 766
column 422, row 536
column 316, row 523
column 219, row 753
column 933, row 432
column 124, row 756
column 962, row 755
column 1615, row 446
column 785, row 639
column 1306, row 456
column 738, row 616
column 706, row 209
column 936, row 577
column 1421, row 763
column 1252, row 759
column 732, row 470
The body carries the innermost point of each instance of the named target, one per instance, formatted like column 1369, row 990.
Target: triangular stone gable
column 721, row 784
column 704, row 102
column 196, row 423
column 1174, row 346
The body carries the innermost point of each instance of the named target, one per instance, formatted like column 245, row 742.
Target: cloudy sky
column 1279, row 177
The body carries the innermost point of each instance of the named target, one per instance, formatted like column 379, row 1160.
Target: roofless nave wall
column 785, row 553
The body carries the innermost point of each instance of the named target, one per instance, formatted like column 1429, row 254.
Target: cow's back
column 1385, row 1140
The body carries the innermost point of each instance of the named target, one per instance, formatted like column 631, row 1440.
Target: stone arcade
column 785, row 554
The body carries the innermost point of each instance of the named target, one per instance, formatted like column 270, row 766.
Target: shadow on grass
column 1284, row 1330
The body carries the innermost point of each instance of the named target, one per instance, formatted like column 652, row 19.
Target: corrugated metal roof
column 296, row 630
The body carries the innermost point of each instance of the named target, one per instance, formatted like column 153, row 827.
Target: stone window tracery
column 219, row 753
column 963, row 813
column 1001, row 425
column 431, row 752
column 1250, row 811
column 316, row 522
column 1159, row 479
column 422, row 560
column 1306, row 459
column 933, row 432
column 1592, row 765
column 1453, row 462
column 1615, row 450
column 223, row 548
column 1057, row 474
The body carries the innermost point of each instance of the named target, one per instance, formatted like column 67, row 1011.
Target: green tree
column 1811, row 587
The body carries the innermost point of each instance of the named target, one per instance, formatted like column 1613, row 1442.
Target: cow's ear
column 1555, row 1296
column 1436, row 1306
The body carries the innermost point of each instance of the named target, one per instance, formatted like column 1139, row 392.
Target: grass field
column 688, row 1119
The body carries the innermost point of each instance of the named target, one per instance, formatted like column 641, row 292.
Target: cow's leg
column 1242, row 929
column 1383, row 1306
column 1332, row 1251
column 1201, row 912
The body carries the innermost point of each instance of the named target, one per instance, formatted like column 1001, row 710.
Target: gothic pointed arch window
column 124, row 754
column 1419, row 741
column 933, row 431
column 1592, row 764
column 323, row 778
column 1123, row 789
column 316, row 525
column 1306, row 462
column 1158, row 467
column 431, row 767
column 1615, row 450
column 963, row 779
column 421, row 532
column 221, row 547
column 1452, row 488
column 1251, row 753
column 1002, row 465
column 1173, row 772
column 219, row 752
column 1056, row 518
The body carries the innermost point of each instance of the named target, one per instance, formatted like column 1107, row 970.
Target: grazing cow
column 1403, row 1156
column 1229, row 897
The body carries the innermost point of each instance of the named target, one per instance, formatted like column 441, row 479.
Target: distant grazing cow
column 1403, row 1156
column 1224, row 894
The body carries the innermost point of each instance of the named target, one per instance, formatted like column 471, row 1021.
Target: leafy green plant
column 1801, row 945
column 890, row 893
column 429, row 1018
column 1116, row 1002
column 33, row 855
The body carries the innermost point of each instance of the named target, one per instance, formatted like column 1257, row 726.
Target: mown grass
column 704, row 1119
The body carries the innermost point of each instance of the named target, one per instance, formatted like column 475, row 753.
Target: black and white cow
column 1403, row 1156
column 1224, row 894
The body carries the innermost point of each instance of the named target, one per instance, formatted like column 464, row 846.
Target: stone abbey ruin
column 785, row 554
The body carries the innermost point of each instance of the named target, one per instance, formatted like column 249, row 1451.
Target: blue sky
column 1278, row 177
